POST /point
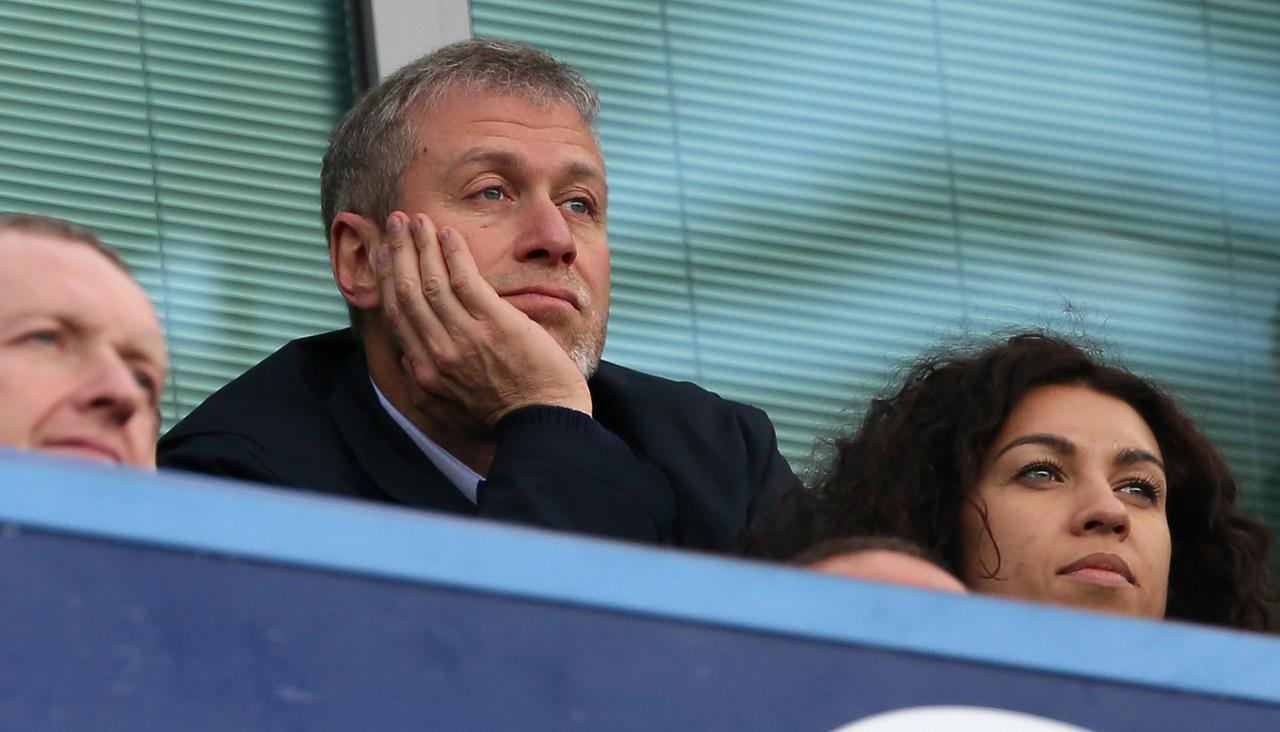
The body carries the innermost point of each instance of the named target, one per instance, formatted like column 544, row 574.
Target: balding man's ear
column 353, row 242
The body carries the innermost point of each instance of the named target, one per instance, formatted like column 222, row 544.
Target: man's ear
column 353, row 242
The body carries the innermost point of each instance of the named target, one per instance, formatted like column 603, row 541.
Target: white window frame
column 399, row 31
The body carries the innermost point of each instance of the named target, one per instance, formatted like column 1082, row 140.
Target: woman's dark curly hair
column 909, row 469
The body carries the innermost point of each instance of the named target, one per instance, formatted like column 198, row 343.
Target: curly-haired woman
column 1031, row 469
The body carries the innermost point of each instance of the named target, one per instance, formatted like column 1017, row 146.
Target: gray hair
column 56, row 228
column 375, row 142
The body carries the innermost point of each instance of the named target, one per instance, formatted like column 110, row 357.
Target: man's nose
column 109, row 388
column 1100, row 510
column 545, row 236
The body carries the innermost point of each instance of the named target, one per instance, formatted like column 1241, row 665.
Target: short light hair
column 374, row 143
column 60, row 229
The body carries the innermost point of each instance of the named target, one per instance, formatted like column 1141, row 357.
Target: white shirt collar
column 463, row 477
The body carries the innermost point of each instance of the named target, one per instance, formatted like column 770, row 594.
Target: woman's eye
column 1039, row 473
column 1142, row 489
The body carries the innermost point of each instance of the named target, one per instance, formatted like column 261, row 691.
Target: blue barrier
column 141, row 602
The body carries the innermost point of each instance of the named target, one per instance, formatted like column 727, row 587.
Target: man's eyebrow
column 69, row 320
column 144, row 353
column 150, row 347
column 1131, row 455
column 1057, row 443
column 579, row 169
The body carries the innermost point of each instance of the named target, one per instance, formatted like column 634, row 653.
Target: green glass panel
column 190, row 135
column 835, row 187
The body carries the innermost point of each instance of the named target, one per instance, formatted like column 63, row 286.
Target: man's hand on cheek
column 462, row 342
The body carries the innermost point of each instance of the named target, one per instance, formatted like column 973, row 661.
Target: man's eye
column 578, row 206
column 492, row 193
column 147, row 383
column 46, row 336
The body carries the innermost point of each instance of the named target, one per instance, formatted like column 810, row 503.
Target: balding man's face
column 82, row 356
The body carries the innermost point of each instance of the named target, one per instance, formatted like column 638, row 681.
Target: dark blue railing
column 141, row 601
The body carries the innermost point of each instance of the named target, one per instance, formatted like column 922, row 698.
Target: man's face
column 82, row 356
column 524, row 184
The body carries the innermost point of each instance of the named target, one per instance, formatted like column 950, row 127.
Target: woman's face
column 1074, row 489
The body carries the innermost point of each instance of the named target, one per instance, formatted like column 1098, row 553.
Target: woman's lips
column 1101, row 568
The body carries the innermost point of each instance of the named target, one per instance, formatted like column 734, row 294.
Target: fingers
column 462, row 342
column 472, row 291
column 411, row 320
column 436, row 282
column 419, row 293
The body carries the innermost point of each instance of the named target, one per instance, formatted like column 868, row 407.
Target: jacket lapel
column 396, row 466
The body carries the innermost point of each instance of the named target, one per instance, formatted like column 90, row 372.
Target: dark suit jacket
column 661, row 462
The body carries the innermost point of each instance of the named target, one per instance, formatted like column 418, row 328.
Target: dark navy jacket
column 661, row 462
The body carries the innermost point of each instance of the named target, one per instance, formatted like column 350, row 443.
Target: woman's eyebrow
column 1131, row 455
column 1057, row 443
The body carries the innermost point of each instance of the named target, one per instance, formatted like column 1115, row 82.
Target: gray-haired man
column 465, row 199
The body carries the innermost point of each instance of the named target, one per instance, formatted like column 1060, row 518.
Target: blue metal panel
column 143, row 600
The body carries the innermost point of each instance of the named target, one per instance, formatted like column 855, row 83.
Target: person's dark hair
column 56, row 228
column 910, row 467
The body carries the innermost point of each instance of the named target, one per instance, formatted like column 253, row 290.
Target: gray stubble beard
column 585, row 351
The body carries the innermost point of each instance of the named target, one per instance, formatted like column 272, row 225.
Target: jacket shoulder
column 663, row 395
column 288, row 386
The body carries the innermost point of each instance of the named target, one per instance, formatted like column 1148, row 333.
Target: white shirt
column 463, row 477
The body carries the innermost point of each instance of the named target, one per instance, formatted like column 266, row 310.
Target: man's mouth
column 539, row 295
column 85, row 448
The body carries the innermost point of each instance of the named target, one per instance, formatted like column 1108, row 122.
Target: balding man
column 882, row 559
column 466, row 203
column 82, row 355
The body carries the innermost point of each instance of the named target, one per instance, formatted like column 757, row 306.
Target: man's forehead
column 34, row 247
column 495, row 155
column 453, row 117
column 28, row 256
column 73, row 283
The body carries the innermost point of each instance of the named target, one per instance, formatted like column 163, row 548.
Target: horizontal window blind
column 190, row 135
column 806, row 194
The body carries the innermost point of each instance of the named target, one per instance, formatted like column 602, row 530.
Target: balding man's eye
column 148, row 384
column 43, row 336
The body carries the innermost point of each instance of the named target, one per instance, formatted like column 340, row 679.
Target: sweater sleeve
column 561, row 469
